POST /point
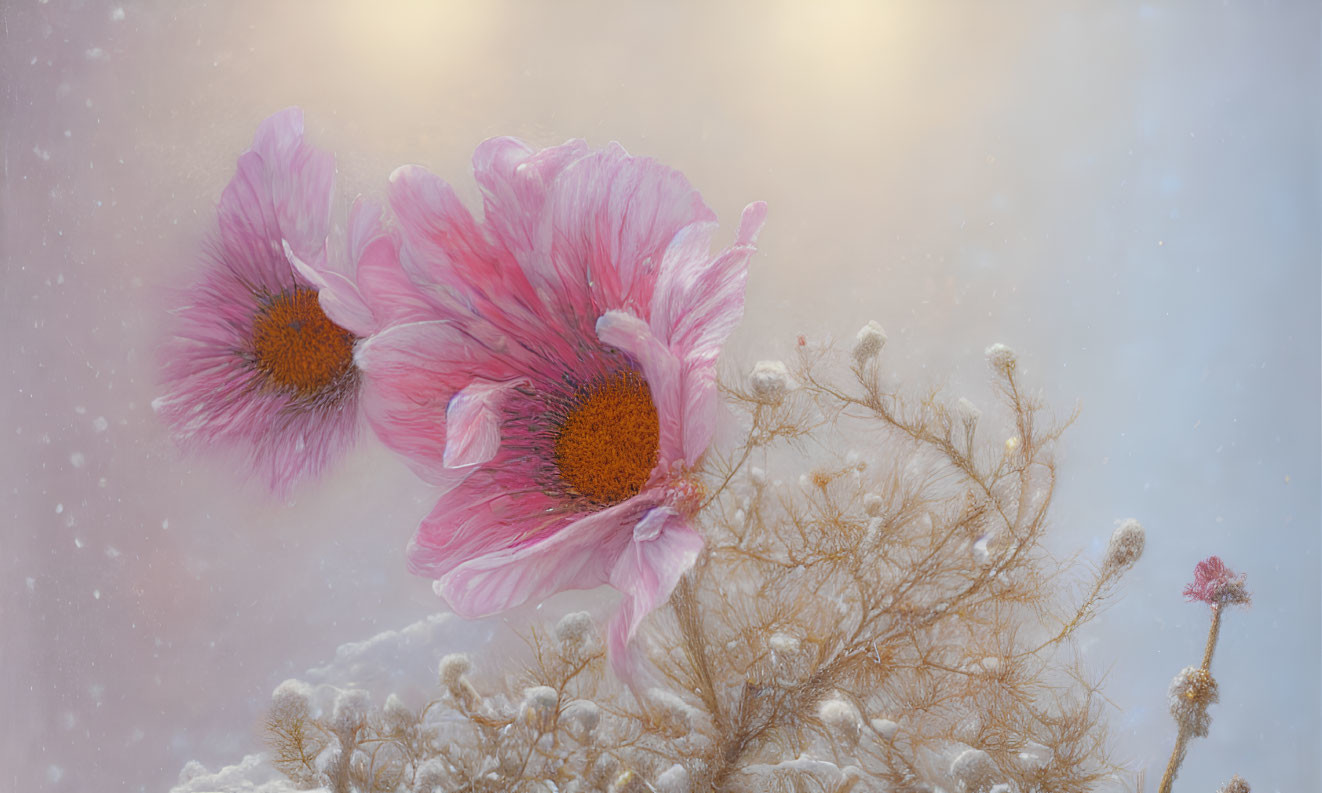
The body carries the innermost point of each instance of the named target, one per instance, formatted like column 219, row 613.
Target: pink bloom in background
column 562, row 385
column 1216, row 585
column 254, row 363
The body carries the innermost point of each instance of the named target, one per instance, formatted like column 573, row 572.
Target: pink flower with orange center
column 260, row 360
column 562, row 387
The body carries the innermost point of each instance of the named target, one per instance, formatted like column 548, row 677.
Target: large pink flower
column 563, row 385
column 254, row 363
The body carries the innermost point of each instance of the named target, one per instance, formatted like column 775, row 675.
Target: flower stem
column 1212, row 634
column 1182, row 739
column 1177, row 757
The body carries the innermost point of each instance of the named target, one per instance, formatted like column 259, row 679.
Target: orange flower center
column 608, row 443
column 296, row 345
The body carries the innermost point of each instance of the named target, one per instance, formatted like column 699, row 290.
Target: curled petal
column 472, row 422
column 578, row 556
column 646, row 574
column 413, row 371
column 661, row 368
column 699, row 300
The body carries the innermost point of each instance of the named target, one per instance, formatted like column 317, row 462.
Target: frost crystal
column 1192, row 690
column 539, row 708
column 1126, row 546
column 869, row 341
column 843, row 719
column 769, row 381
column 1001, row 358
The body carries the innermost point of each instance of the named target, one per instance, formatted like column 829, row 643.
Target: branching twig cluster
column 880, row 620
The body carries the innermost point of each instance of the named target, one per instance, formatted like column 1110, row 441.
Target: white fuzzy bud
column 1235, row 785
column 769, row 381
column 629, row 782
column 1126, row 546
column 291, row 700
column 575, row 633
column 982, row 549
column 885, row 728
column 758, row 477
column 586, row 714
column 398, row 717
column 783, row 643
column 675, row 715
column 1192, row 690
column 431, row 774
column 974, row 770
column 1034, row 755
column 873, row 504
column 869, row 341
column 674, row 780
column 350, row 713
column 1001, row 358
column 453, row 667
column 842, row 718
column 967, row 411
column 452, row 670
column 539, row 708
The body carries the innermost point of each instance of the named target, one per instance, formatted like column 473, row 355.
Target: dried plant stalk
column 889, row 620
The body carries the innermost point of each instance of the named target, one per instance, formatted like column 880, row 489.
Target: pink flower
column 1216, row 585
column 563, row 386
column 257, row 362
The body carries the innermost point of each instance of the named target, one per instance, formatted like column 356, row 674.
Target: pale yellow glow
column 410, row 39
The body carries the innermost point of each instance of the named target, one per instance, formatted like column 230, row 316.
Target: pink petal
column 701, row 406
column 699, row 300
column 661, row 369
column 249, row 231
column 472, row 422
column 646, row 574
column 337, row 294
column 613, row 216
column 444, row 247
column 579, row 556
column 515, row 179
column 477, row 515
column 301, row 180
column 411, row 371
column 381, row 280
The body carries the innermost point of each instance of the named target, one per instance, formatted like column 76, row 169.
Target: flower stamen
column 608, row 442
column 296, row 345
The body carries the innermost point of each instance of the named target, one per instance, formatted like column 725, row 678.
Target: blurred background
column 1127, row 194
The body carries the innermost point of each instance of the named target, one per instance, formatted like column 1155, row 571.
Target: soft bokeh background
column 1127, row 194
